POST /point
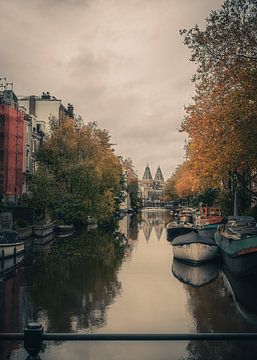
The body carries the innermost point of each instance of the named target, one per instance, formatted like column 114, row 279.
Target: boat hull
column 240, row 255
column 235, row 247
column 9, row 250
column 43, row 230
column 195, row 252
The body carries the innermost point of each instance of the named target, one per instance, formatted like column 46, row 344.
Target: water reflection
column 112, row 280
column 10, row 301
column 72, row 285
column 194, row 275
column 244, row 293
column 213, row 310
column 154, row 218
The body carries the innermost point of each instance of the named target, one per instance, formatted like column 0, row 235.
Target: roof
column 158, row 175
column 147, row 174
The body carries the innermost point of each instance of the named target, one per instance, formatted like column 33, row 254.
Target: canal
column 125, row 280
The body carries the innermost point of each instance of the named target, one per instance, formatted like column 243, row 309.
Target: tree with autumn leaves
column 78, row 177
column 221, row 121
column 131, row 181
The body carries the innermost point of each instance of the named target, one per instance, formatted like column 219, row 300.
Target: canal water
column 125, row 280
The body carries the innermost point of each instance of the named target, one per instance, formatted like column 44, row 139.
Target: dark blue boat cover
column 202, row 236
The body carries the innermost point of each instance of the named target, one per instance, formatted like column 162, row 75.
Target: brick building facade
column 11, row 146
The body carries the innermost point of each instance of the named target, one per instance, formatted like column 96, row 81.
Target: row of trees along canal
column 79, row 177
column 221, row 121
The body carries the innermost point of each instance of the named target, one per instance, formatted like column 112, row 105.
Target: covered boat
column 237, row 240
column 10, row 244
column 195, row 275
column 194, row 247
column 176, row 228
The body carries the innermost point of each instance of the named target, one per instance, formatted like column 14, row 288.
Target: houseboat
column 237, row 240
column 194, row 248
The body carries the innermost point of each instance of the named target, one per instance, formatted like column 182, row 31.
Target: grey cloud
column 121, row 63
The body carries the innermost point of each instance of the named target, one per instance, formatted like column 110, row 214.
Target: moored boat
column 176, row 228
column 209, row 218
column 194, row 248
column 237, row 240
column 43, row 229
column 10, row 244
column 63, row 229
column 185, row 215
column 195, row 275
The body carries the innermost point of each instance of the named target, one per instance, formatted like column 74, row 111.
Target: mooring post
column 2, row 259
column 33, row 337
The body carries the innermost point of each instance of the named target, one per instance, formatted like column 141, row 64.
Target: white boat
column 43, row 229
column 194, row 248
column 10, row 244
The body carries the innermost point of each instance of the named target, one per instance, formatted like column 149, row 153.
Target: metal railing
column 33, row 337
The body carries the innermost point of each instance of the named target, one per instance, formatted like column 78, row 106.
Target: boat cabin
column 209, row 215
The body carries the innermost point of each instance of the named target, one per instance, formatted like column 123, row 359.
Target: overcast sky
column 121, row 63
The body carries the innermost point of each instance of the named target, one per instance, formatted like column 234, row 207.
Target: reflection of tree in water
column 135, row 221
column 76, row 281
column 213, row 310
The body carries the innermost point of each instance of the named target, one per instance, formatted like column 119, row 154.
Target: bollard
column 33, row 336
column 2, row 259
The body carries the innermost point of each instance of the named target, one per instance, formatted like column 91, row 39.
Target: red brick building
column 11, row 146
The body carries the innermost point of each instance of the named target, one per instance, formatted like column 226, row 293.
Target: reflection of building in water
column 158, row 227
column 156, row 219
column 147, row 229
column 152, row 190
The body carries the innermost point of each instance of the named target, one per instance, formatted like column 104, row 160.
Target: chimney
column 32, row 105
column 46, row 96
column 70, row 109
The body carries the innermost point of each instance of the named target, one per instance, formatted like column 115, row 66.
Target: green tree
column 86, row 174
column 131, row 182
